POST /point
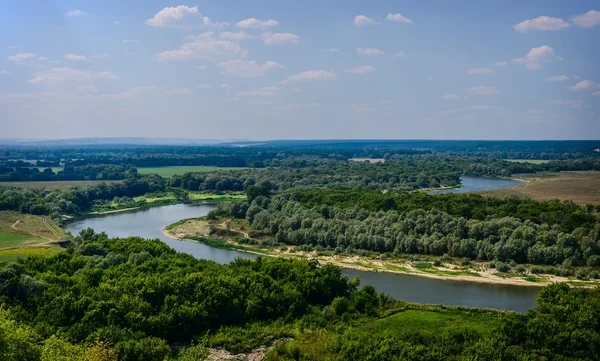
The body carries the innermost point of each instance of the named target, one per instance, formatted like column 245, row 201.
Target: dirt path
column 58, row 236
column 14, row 225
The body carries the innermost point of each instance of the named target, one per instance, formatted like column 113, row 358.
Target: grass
column 532, row 161
column 21, row 232
column 54, row 184
column 8, row 239
column 168, row 172
column 8, row 255
column 211, row 197
column 579, row 187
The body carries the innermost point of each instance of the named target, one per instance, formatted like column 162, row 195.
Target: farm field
column 579, row 187
column 54, row 184
column 170, row 171
column 532, row 161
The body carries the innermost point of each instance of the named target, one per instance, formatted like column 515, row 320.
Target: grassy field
column 532, row 161
column 168, row 172
column 22, row 235
column 54, row 184
column 579, row 187
column 209, row 197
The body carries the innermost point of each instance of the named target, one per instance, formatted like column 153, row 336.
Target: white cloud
column 558, row 78
column 483, row 90
column 576, row 77
column 226, row 86
column 75, row 13
column 75, row 57
column 87, row 88
column 42, row 58
column 452, row 111
column 536, row 57
column 400, row 54
column 364, row 69
column 482, row 107
column 249, row 69
column 312, row 75
column 279, row 38
column 99, row 56
column 201, row 67
column 128, row 41
column 360, row 20
column 583, row 85
column 587, row 20
column 450, row 97
column 270, row 88
column 183, row 17
column 560, row 58
column 13, row 47
column 204, row 47
column 204, row 86
column 240, row 35
column 500, row 63
column 479, row 71
column 58, row 76
column 180, row 91
column 116, row 22
column 384, row 101
column 368, row 51
column 253, row 23
column 571, row 103
column 543, row 23
column 399, row 18
column 4, row 72
column 20, row 57
column 256, row 93
column 597, row 93
column 331, row 50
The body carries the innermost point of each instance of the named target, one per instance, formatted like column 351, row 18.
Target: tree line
column 69, row 172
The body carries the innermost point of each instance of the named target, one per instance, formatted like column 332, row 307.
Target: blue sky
column 300, row 70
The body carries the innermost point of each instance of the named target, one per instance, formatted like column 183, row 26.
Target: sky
column 273, row 69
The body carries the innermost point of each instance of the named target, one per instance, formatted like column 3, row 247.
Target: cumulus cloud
column 4, row 72
column 536, row 57
column 483, row 90
column 543, row 23
column 226, row 86
column 17, row 58
column 253, row 23
column 452, row 111
column 87, row 88
column 399, row 18
column 500, row 63
column 75, row 13
column 128, row 41
column 279, row 38
column 183, row 17
column 204, row 86
column 479, row 71
column 571, row 103
column 597, row 93
column 180, row 91
column 368, row 51
column 59, row 76
column 312, row 75
column 400, row 54
column 204, row 47
column 587, row 20
column 237, row 36
column 75, row 57
column 201, row 67
column 249, row 69
column 450, row 97
column 583, row 85
column 361, row 20
column 331, row 50
column 256, row 93
column 558, row 78
column 364, row 69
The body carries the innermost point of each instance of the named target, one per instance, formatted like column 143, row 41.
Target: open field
column 210, row 197
column 370, row 160
column 579, row 187
column 54, row 184
column 168, row 172
column 22, row 235
column 532, row 161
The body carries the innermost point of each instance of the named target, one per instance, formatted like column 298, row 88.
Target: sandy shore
column 115, row 211
column 486, row 277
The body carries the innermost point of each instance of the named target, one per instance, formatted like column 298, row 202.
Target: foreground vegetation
column 133, row 299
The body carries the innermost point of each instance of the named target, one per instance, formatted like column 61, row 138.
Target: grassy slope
column 168, row 172
column 532, row 161
column 22, row 235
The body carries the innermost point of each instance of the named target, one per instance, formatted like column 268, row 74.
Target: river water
column 473, row 184
column 150, row 222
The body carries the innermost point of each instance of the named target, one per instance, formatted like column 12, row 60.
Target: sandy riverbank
column 347, row 262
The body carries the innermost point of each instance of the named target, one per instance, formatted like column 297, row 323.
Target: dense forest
column 138, row 300
column 69, row 172
column 469, row 226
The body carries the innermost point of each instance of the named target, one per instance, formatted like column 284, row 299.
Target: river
column 473, row 184
column 150, row 222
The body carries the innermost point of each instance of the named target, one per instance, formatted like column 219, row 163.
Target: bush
column 502, row 267
column 437, row 263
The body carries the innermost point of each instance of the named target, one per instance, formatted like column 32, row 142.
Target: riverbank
column 425, row 269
